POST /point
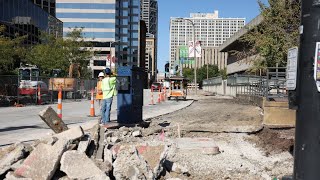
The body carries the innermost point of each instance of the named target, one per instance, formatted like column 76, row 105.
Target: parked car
column 156, row 86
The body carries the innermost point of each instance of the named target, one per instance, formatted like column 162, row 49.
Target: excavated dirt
column 275, row 141
column 248, row 151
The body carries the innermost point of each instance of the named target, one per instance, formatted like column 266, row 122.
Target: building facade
column 211, row 30
column 149, row 14
column 97, row 20
column 47, row 5
column 236, row 64
column 27, row 19
column 151, row 64
column 127, row 32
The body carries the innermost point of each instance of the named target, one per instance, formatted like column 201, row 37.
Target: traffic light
column 166, row 67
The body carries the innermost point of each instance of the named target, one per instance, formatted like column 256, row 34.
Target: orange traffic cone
column 152, row 101
column 39, row 96
column 162, row 94
column 92, row 112
column 59, row 111
column 159, row 97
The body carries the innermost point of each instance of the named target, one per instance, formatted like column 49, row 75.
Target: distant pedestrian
column 108, row 90
column 99, row 94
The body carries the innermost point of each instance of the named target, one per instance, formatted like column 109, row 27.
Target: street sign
column 183, row 52
column 317, row 66
column 197, row 49
column 292, row 66
column 186, row 60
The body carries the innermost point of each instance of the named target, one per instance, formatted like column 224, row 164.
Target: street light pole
column 307, row 136
column 194, row 50
column 195, row 56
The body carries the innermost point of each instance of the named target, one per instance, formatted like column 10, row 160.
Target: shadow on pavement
column 20, row 127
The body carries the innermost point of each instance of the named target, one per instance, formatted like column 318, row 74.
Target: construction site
column 207, row 136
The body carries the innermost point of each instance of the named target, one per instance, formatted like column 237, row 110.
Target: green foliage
column 188, row 73
column 223, row 73
column 58, row 53
column 11, row 51
column 278, row 32
column 210, row 70
column 207, row 71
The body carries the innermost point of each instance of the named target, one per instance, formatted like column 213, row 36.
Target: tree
column 278, row 31
column 213, row 71
column 11, row 51
column 58, row 53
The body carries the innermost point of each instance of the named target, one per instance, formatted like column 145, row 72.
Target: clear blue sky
column 182, row 8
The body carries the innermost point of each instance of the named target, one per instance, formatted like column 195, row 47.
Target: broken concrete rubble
column 99, row 154
column 107, row 155
column 84, row 143
column 130, row 165
column 71, row 134
column 155, row 156
column 10, row 176
column 48, row 140
column 136, row 133
column 43, row 161
column 78, row 166
column 104, row 166
column 14, row 156
column 16, row 165
column 51, row 118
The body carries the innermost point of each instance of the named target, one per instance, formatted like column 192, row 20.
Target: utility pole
column 307, row 137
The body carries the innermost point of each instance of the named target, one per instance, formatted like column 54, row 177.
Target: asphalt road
column 17, row 122
column 24, row 124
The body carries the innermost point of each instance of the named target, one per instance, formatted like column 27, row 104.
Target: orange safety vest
column 99, row 94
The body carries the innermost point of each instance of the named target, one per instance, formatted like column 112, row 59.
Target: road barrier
column 92, row 111
column 59, row 111
column 159, row 97
column 165, row 93
column 152, row 101
column 162, row 95
column 39, row 96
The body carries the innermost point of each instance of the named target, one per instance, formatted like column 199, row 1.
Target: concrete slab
column 43, row 161
column 78, row 166
column 197, row 145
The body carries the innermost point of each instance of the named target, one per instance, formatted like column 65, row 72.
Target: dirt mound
column 275, row 141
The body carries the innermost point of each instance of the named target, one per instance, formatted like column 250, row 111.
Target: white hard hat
column 101, row 74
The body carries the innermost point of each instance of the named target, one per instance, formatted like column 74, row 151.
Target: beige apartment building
column 151, row 64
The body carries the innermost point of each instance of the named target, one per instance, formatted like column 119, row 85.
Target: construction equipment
column 178, row 88
column 67, row 84
column 29, row 81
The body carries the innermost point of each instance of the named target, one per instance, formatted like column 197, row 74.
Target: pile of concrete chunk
column 72, row 153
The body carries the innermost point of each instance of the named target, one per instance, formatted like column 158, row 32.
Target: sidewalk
column 13, row 132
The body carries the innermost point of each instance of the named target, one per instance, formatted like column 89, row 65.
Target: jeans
column 105, row 110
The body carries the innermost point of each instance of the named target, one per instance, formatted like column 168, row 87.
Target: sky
column 182, row 8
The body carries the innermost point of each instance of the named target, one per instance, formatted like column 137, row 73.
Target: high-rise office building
column 97, row 20
column 211, row 30
column 149, row 14
column 27, row 19
column 47, row 5
column 127, row 32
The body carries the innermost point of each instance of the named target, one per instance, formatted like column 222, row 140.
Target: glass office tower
column 127, row 31
column 25, row 18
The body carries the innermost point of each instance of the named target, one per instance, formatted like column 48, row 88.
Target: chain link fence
column 14, row 90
